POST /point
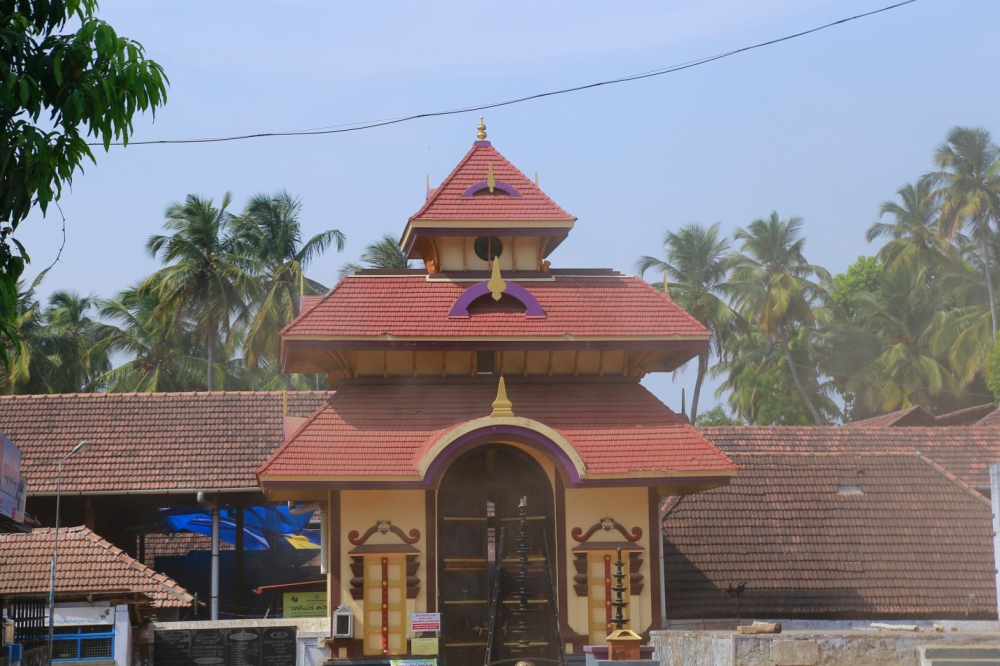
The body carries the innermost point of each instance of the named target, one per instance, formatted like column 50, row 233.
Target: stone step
column 963, row 662
column 963, row 652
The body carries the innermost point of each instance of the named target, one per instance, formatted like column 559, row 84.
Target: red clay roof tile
column 446, row 202
column 411, row 305
column 87, row 565
column 376, row 429
column 149, row 441
column 911, row 544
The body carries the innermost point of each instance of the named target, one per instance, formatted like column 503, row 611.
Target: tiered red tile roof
column 913, row 543
column 149, row 441
column 918, row 416
column 384, row 429
column 966, row 451
column 87, row 564
column 446, row 202
column 409, row 305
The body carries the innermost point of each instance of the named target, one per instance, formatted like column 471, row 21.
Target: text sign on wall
column 13, row 489
column 303, row 604
column 247, row 646
column 425, row 622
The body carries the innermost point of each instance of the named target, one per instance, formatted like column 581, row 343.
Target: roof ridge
column 950, row 476
column 436, row 192
column 151, row 395
column 666, row 296
column 277, row 452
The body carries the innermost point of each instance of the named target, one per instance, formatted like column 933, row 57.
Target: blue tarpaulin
column 264, row 527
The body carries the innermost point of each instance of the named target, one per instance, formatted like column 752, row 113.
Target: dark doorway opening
column 477, row 503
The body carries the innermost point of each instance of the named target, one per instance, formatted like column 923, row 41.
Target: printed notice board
column 425, row 622
column 303, row 604
column 247, row 646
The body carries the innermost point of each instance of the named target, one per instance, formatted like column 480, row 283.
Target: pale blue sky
column 824, row 127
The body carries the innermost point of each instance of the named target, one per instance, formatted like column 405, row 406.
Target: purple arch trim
column 460, row 308
column 488, row 433
column 497, row 185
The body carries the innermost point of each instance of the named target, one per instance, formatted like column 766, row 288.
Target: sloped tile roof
column 446, row 203
column 383, row 430
column 967, row 451
column 410, row 305
column 149, row 441
column 914, row 416
column 912, row 544
column 87, row 564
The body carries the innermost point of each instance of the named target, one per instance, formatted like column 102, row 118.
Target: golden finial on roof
column 502, row 407
column 481, row 134
column 491, row 182
column 496, row 285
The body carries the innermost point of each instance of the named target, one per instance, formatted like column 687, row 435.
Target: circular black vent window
column 487, row 248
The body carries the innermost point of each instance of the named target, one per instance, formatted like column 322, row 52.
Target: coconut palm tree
column 269, row 234
column 161, row 351
column 775, row 289
column 897, row 322
column 24, row 372
column 696, row 265
column 73, row 342
column 913, row 232
column 969, row 186
column 384, row 253
column 205, row 280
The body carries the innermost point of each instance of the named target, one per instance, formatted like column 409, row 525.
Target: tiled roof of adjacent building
column 967, row 451
column 149, row 441
column 446, row 202
column 87, row 565
column 832, row 535
column 384, row 429
column 410, row 305
column 918, row 416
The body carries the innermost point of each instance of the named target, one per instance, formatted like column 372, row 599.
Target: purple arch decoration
column 487, row 434
column 497, row 185
column 460, row 308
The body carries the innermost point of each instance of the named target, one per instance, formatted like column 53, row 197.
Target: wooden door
column 479, row 496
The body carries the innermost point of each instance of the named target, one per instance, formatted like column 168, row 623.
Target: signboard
column 83, row 615
column 248, row 646
column 304, row 604
column 413, row 662
column 10, row 468
column 425, row 622
column 13, row 489
column 423, row 646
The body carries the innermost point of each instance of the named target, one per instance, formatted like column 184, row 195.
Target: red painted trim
column 607, row 593
column 385, row 605
column 655, row 546
column 430, row 554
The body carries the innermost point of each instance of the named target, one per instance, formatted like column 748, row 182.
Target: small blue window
column 84, row 643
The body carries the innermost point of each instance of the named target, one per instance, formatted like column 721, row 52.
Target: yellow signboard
column 304, row 604
column 423, row 646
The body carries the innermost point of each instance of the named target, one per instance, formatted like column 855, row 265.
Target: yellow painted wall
column 459, row 254
column 361, row 509
column 628, row 506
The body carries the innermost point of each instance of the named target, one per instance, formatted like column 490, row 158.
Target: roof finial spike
column 481, row 134
column 502, row 407
column 491, row 182
column 497, row 285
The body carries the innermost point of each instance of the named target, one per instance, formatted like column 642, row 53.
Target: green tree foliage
column 696, row 266
column 384, row 253
column 862, row 277
column 57, row 89
column 993, row 371
column 269, row 235
column 716, row 416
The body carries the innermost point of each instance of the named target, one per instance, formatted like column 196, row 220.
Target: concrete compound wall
column 804, row 648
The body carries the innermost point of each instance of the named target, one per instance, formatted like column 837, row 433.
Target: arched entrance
column 477, row 499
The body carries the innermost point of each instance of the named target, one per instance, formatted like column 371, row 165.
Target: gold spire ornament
column 481, row 134
column 497, row 285
column 502, row 407
column 491, row 182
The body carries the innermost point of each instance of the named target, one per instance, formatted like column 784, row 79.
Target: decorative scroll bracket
column 607, row 524
column 383, row 527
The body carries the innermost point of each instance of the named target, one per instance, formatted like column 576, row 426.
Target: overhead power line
column 367, row 125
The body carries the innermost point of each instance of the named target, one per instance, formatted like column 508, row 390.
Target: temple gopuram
column 489, row 447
